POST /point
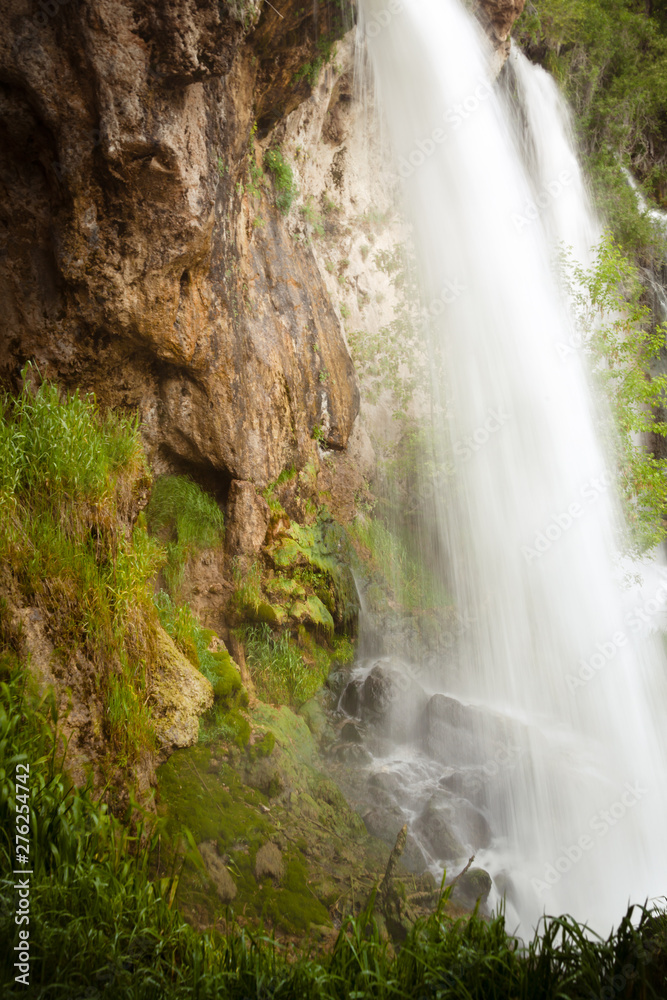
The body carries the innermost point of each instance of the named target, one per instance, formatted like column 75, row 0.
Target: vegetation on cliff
column 610, row 59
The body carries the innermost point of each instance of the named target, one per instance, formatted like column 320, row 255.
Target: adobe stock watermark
column 606, row 651
column 451, row 290
column 464, row 449
column 600, row 824
column 562, row 522
column 547, row 196
column 378, row 22
column 453, row 117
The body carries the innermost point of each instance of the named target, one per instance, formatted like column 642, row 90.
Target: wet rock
column 468, row 784
column 473, row 885
column 337, row 681
column 269, row 863
column 352, row 753
column 217, row 871
column 350, row 701
column 387, row 696
column 351, row 733
column 248, row 518
column 385, row 822
column 435, row 827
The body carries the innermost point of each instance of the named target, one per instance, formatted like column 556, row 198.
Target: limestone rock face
column 497, row 18
column 248, row 518
column 129, row 263
column 179, row 695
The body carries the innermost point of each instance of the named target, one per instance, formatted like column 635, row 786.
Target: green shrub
column 190, row 518
column 283, row 178
column 622, row 343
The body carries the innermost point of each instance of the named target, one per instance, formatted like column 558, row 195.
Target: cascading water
column 543, row 725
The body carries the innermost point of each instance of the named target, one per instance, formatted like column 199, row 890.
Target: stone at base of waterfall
column 385, row 822
column 217, row 871
column 461, row 735
column 389, row 695
column 351, row 733
column 269, row 863
column 450, row 826
column 469, row 783
column 473, row 885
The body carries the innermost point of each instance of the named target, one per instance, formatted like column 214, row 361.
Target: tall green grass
column 278, row 668
column 190, row 519
column 100, row 927
column 70, row 478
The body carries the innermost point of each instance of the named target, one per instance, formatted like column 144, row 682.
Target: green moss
column 262, row 748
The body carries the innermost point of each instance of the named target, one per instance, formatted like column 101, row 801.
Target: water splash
column 549, row 665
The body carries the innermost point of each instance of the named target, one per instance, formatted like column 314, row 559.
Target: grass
column 283, row 178
column 387, row 555
column 279, row 671
column 189, row 518
column 70, row 477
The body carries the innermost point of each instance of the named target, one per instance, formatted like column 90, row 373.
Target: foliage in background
column 98, row 924
column 70, row 478
column 610, row 58
column 396, row 360
column 189, row 519
column 406, row 579
column 621, row 342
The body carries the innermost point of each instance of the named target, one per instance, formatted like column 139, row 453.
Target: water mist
column 575, row 808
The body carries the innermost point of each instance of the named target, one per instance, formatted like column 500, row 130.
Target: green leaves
column 622, row 345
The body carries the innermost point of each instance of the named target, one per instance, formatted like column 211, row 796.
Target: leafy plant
column 622, row 344
column 283, row 178
column 313, row 217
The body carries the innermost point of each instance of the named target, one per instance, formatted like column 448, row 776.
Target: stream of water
column 537, row 741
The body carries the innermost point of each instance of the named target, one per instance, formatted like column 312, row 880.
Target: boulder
column 471, row 886
column 269, row 863
column 179, row 695
column 217, row 871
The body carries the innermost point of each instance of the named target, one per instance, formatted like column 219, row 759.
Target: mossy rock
column 226, row 678
column 272, row 614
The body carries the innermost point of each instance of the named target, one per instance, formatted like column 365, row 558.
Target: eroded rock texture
column 129, row 264
column 132, row 260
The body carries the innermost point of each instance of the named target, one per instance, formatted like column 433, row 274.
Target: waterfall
column 543, row 725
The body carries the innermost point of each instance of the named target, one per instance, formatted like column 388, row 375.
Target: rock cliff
column 132, row 261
